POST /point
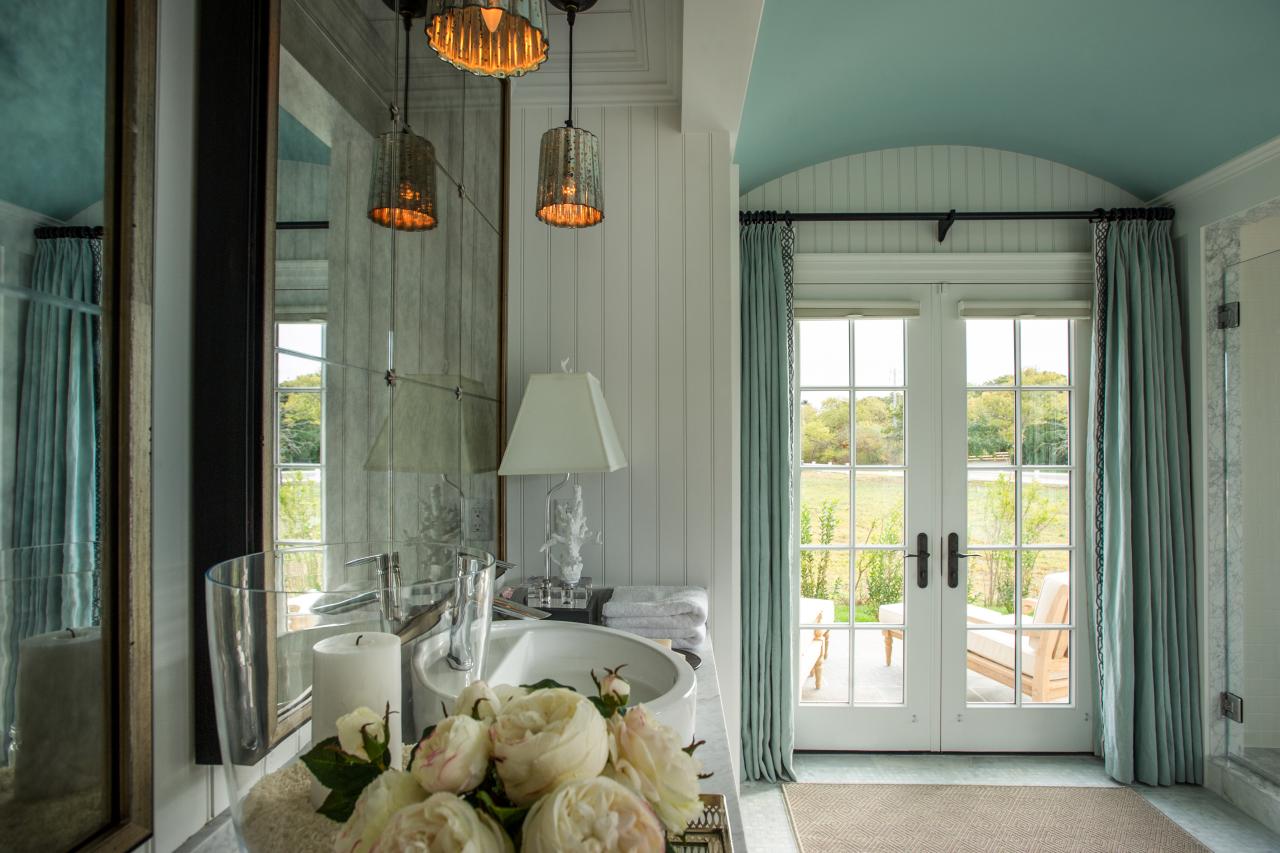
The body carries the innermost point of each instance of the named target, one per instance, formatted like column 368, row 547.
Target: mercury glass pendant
column 402, row 190
column 569, row 193
column 492, row 38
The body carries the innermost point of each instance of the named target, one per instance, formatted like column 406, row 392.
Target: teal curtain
column 51, row 569
column 768, row 642
column 1144, row 582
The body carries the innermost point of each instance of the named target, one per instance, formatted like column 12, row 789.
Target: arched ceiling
column 1146, row 94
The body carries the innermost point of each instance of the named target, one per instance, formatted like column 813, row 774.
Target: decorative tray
column 709, row 832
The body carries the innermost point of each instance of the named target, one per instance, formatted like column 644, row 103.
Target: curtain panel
column 768, row 593
column 1144, row 575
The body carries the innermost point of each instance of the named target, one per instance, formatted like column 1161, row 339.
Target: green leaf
column 337, row 770
column 377, row 750
column 546, row 684
column 606, row 710
column 338, row 806
column 509, row 816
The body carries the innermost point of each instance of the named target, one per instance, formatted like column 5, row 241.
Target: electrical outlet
column 479, row 520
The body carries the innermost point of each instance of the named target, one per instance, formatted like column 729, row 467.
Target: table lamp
column 563, row 427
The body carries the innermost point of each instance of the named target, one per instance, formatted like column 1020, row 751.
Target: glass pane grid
column 1021, row 421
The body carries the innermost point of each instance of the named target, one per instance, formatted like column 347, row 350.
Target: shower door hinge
column 1232, row 706
column 1229, row 315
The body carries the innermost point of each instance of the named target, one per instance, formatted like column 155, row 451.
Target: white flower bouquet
column 536, row 768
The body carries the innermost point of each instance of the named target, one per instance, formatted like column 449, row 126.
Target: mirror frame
column 234, row 282
column 126, row 418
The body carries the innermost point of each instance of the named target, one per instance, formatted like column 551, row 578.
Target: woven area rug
column 965, row 818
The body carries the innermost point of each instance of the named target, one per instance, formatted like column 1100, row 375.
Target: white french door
column 944, row 420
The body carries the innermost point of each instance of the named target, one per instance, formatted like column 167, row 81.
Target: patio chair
column 814, row 649
column 1045, row 661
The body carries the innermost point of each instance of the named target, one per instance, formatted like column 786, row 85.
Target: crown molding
column 950, row 267
column 1220, row 174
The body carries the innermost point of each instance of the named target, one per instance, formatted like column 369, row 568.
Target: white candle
column 61, row 739
column 350, row 671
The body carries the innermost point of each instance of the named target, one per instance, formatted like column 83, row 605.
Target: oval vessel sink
column 522, row 652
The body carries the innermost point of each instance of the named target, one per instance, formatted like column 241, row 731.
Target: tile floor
column 1218, row 825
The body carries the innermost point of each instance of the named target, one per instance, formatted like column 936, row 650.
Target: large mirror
column 75, row 129
column 377, row 416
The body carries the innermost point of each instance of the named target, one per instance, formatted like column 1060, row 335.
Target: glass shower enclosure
column 1251, row 455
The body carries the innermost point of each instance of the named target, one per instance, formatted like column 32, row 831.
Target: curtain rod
column 51, row 232
column 951, row 217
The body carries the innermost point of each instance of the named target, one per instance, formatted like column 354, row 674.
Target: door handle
column 922, row 560
column 953, row 560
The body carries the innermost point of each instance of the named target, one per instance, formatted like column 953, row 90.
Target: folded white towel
column 647, row 601
column 681, row 622
column 692, row 639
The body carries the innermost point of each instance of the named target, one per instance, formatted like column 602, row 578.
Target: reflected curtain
column 56, row 457
column 768, row 591
column 1144, row 579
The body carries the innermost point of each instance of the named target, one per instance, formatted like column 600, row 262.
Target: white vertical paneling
column 674, row 324
column 644, row 346
column 938, row 178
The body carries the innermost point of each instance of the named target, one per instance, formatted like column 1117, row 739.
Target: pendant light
column 402, row 191
column 492, row 38
column 569, row 194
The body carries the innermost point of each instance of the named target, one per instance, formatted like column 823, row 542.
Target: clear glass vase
column 301, row 636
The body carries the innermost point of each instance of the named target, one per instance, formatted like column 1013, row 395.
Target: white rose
column 646, row 756
column 442, row 824
column 591, row 814
column 546, row 738
column 350, row 726
column 507, row 692
column 477, row 698
column 455, row 757
column 385, row 796
column 613, row 687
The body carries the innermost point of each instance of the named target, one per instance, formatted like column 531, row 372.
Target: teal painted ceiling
column 52, row 104
column 1146, row 94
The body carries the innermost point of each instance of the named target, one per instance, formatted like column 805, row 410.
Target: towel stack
column 675, row 613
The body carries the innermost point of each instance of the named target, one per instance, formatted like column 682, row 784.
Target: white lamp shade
column 563, row 427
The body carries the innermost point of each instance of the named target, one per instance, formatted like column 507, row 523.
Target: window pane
column 992, row 507
column 879, row 428
column 877, row 353
column 299, row 432
column 991, row 587
column 1046, row 587
column 989, row 352
column 1045, row 354
column 824, row 507
column 990, row 678
column 824, row 665
column 824, row 587
column 990, row 427
column 295, row 372
column 824, row 427
column 301, row 505
column 1046, row 508
column 879, row 508
column 878, row 577
column 303, row 570
column 306, row 338
column 1045, row 430
column 1046, row 666
column 878, row 669
column 824, row 352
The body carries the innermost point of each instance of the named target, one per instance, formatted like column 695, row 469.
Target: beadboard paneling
column 937, row 178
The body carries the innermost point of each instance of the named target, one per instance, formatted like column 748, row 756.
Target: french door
column 938, row 525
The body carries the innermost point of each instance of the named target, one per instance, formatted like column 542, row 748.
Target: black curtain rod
column 951, row 217
column 51, row 232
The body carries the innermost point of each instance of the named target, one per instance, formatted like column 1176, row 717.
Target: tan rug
column 972, row 818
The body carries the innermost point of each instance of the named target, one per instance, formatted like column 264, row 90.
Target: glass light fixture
column 569, row 193
column 492, row 38
column 402, row 191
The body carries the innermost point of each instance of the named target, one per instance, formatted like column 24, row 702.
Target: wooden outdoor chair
column 814, row 649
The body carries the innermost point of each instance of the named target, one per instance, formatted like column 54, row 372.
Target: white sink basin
column 522, row 652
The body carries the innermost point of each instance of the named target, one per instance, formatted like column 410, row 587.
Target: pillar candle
column 60, row 710
column 351, row 671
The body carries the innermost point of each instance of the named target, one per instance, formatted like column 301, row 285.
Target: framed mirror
column 76, row 118
column 361, row 389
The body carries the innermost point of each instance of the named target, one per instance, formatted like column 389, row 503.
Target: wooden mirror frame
column 126, row 419
column 238, row 44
